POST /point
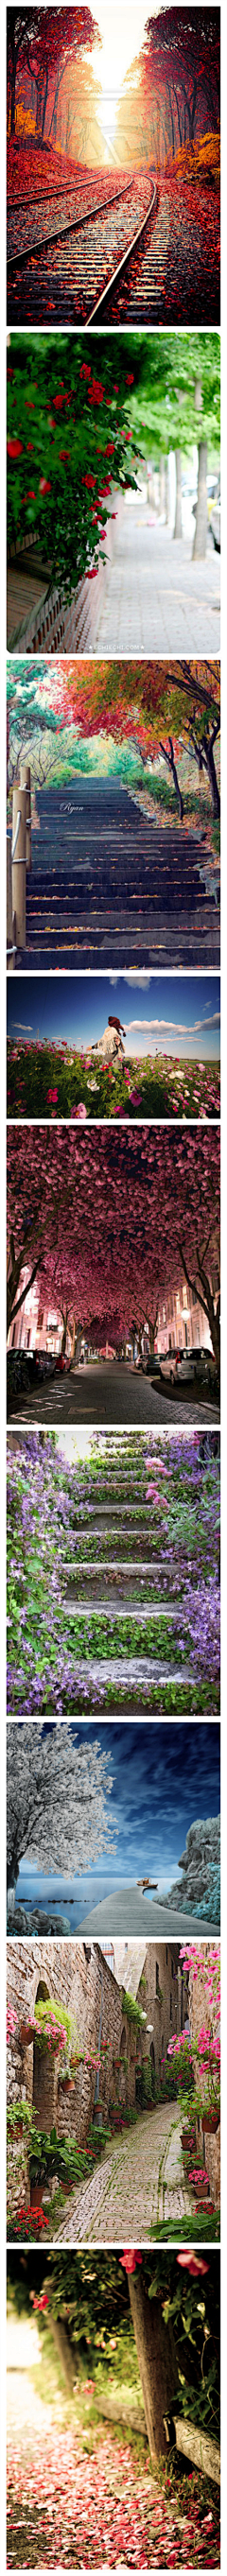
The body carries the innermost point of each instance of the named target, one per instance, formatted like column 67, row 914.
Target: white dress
column 111, row 1045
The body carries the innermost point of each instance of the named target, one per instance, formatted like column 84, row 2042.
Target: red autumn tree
column 42, row 41
column 156, row 706
column 181, row 57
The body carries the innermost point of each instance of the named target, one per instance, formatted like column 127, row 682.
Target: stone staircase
column 106, row 885
column 123, row 1596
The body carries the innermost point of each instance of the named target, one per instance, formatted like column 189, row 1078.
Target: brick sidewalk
column 155, row 599
column 138, row 2183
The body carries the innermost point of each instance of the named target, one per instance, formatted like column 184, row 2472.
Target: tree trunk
column 200, row 537
column 161, row 487
column 157, row 2362
column 210, row 765
column 166, row 492
column 62, row 2348
column 152, row 1330
column 45, row 103
column 178, row 509
column 65, row 1328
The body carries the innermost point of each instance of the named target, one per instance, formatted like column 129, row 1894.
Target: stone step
column 132, row 1608
column 130, row 1675
column 161, row 946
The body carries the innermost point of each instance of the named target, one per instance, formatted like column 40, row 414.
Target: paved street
column 138, row 2182
column 155, row 599
column 109, row 1392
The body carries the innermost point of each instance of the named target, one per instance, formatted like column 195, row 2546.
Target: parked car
column 152, row 1366
column 200, row 1365
column 169, row 1364
column 214, row 513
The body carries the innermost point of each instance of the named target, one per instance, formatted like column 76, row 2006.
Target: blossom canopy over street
column 104, row 1222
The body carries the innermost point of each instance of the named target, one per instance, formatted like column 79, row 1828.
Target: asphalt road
column 127, row 1911
column 105, row 1391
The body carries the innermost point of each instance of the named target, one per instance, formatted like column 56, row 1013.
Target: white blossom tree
column 56, row 1800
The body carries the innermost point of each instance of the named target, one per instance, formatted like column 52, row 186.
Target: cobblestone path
column 155, row 599
column 138, row 2183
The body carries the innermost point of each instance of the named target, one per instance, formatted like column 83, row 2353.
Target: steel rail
column 123, row 263
column 34, row 249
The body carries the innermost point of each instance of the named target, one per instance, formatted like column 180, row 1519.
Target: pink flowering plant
column 50, row 1080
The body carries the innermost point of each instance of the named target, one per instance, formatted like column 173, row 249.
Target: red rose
column 96, row 392
column 43, row 486
column 129, row 380
column 64, row 456
column 28, row 496
column 85, row 371
column 89, row 479
column 14, row 448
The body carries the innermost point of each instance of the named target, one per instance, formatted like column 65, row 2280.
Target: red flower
column 30, row 447
column 14, row 448
column 129, row 380
column 58, row 402
column 43, row 486
column 96, row 392
column 130, row 2258
column 85, row 371
column 92, row 576
column 109, row 450
column 192, row 2263
column 64, row 455
column 89, row 479
column 28, row 496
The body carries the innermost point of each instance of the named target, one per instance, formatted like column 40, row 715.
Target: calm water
column 74, row 1898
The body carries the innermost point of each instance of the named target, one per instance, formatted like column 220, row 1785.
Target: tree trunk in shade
column 66, row 2357
column 157, row 2362
column 178, row 509
column 200, row 537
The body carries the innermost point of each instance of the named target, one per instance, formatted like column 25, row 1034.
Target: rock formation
column 199, row 1890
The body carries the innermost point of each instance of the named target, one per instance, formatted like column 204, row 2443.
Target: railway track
column 59, row 271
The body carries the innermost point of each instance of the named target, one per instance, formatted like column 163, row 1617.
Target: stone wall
column 209, row 2148
column 78, row 1976
column 158, row 1990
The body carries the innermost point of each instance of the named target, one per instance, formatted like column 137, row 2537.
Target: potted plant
column 27, row 2032
column 210, row 2120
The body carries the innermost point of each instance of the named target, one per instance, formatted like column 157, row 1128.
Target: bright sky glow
column 122, row 32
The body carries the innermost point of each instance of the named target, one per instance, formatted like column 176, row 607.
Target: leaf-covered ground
column 29, row 168
column 192, row 281
column 75, row 2508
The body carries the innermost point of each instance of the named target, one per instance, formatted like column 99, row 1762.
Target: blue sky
column 177, row 1015
column 165, row 1777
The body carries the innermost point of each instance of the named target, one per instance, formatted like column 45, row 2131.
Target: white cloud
column 178, row 1028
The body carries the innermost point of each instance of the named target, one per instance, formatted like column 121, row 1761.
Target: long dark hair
column 116, row 1024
